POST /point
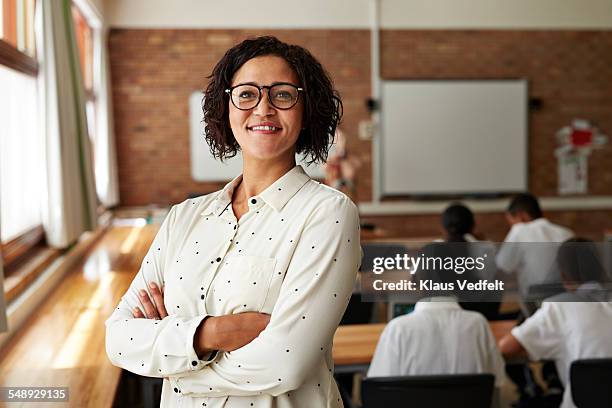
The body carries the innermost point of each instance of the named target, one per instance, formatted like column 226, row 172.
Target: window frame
column 17, row 249
column 23, row 246
column 14, row 59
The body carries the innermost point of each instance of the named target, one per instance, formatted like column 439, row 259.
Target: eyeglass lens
column 282, row 96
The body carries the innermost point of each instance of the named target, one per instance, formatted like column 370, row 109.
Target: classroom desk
column 354, row 345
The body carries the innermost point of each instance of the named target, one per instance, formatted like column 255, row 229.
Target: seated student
column 582, row 273
column 567, row 331
column 458, row 223
column 439, row 337
column 532, row 263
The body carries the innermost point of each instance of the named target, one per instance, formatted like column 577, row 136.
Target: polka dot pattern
column 296, row 248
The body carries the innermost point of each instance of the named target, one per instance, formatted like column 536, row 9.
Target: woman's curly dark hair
column 322, row 103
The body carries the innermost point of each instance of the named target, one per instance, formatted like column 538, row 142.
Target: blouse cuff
column 196, row 363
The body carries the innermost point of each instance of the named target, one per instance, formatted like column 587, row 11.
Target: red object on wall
column 581, row 138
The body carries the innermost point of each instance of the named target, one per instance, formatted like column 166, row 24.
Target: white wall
column 238, row 13
column 421, row 14
column 512, row 14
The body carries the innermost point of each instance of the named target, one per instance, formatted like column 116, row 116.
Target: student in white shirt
column 567, row 331
column 438, row 337
column 255, row 277
column 533, row 264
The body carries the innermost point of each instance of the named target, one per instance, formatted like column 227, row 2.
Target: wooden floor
column 63, row 344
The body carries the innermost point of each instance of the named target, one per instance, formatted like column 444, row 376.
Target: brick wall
column 154, row 72
column 570, row 71
column 492, row 226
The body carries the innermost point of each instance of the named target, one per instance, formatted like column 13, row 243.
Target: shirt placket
column 230, row 226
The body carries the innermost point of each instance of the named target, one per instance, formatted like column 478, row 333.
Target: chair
column 590, row 381
column 430, row 391
column 357, row 312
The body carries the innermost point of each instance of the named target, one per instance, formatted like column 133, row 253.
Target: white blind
column 20, row 155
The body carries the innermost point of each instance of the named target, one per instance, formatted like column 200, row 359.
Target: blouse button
column 194, row 363
column 175, row 389
column 218, row 259
column 253, row 201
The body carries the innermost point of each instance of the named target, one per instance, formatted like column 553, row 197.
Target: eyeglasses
column 247, row 96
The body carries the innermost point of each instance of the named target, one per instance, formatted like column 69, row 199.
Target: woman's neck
column 257, row 176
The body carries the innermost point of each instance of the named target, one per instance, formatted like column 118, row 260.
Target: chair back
column 591, row 382
column 431, row 391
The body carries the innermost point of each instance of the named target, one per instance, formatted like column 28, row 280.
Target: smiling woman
column 239, row 296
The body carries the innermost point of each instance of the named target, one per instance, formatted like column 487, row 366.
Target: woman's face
column 257, row 143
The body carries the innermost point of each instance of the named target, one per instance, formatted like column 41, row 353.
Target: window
column 20, row 171
column 17, row 25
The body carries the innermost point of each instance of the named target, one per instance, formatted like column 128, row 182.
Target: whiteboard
column 443, row 137
column 204, row 167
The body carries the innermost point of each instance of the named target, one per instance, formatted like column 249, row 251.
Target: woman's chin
column 269, row 156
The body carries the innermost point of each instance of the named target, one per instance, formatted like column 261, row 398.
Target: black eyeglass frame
column 260, row 89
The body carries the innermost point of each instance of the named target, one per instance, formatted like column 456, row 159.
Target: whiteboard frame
column 436, row 195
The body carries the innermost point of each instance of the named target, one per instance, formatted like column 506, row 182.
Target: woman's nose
column 264, row 107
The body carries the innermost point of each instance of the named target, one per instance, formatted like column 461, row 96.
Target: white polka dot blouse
column 294, row 255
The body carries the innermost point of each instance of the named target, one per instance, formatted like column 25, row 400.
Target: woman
column 255, row 277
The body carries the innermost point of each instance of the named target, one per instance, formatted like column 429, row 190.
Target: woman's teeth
column 265, row 128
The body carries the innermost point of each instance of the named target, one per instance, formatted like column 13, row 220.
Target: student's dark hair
column 457, row 220
column 322, row 103
column 579, row 261
column 525, row 203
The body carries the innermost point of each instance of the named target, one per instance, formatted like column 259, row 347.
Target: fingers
column 150, row 310
column 158, row 298
column 137, row 313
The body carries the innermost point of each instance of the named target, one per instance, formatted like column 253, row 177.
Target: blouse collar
column 275, row 195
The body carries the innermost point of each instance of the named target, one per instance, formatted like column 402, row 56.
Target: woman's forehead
column 265, row 70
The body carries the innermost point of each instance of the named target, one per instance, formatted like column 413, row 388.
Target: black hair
column 457, row 220
column 579, row 262
column 322, row 103
column 527, row 203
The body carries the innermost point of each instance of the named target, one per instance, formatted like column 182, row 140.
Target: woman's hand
column 153, row 309
column 229, row 332
column 224, row 333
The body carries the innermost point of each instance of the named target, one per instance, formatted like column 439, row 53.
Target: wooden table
column 354, row 345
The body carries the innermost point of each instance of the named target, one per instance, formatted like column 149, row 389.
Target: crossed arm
column 223, row 333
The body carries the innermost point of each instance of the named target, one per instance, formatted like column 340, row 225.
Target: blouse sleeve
column 312, row 299
column 153, row 348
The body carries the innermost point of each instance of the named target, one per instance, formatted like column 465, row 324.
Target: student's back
column 437, row 338
column 531, row 262
column 529, row 251
column 567, row 331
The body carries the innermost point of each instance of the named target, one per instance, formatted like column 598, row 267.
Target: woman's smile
column 267, row 128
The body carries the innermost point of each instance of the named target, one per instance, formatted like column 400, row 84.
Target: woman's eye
column 283, row 95
column 246, row 95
